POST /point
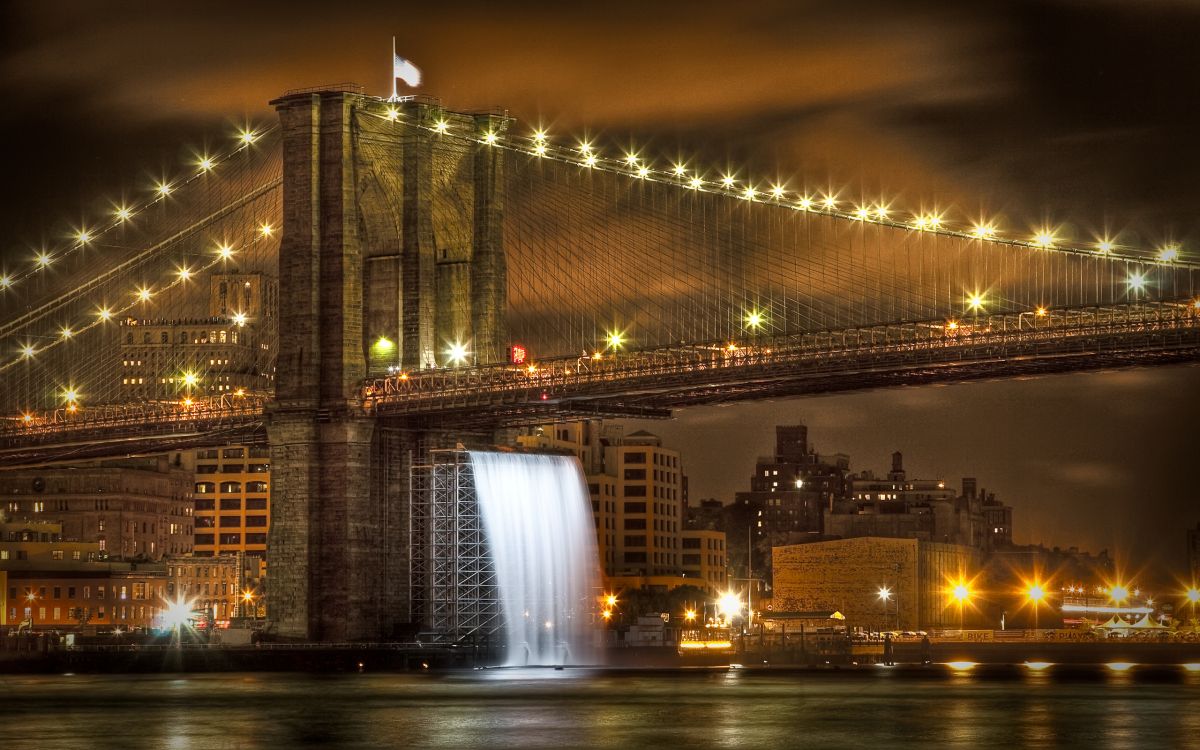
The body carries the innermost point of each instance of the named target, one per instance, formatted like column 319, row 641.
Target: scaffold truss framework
column 453, row 586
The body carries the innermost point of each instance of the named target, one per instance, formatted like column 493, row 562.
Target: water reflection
column 595, row 708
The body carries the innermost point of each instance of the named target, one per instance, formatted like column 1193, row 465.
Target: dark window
column 205, row 503
column 635, row 524
column 691, row 542
column 256, row 539
column 635, row 557
column 635, row 458
column 204, row 539
column 635, row 541
column 234, row 521
column 233, row 453
column 256, row 503
column 635, row 490
column 231, row 503
column 232, row 469
column 691, row 559
column 256, row 486
column 231, row 539
column 635, row 507
column 206, row 468
column 164, row 339
column 594, row 489
column 635, row 474
column 256, row 521
column 204, row 522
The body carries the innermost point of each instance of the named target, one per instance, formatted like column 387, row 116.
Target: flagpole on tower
column 393, row 70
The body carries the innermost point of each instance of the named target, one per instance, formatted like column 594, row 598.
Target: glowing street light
column 1104, row 247
column 1035, row 594
column 1169, row 253
column 729, row 604
column 615, row 340
column 457, row 353
column 975, row 301
column 1043, row 239
column 960, row 593
column 610, row 600
column 1136, row 282
column 689, row 615
column 885, row 594
column 391, row 114
column 1118, row 593
column 755, row 320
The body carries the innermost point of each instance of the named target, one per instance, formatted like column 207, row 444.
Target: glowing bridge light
column 935, row 222
column 441, row 126
column 727, row 180
column 185, row 274
column 383, row 346
column 1043, row 239
column 83, row 236
column 695, row 183
column 1136, row 281
column 862, row 213
column 122, row 213
column 5, row 281
column 881, row 212
column 590, row 160
column 66, row 332
column 1104, row 247
column 247, row 137
column 749, row 194
column 28, row 351
column 163, row 189
column 391, row 114
column 27, row 418
column 539, row 136
column 190, row 379
column 1038, row 666
column 205, row 164
column 642, row 172
column 975, row 301
column 921, row 222
column 1041, row 312
column 829, row 202
column 983, row 231
column 144, row 294
column 239, row 319
column 777, row 191
column 490, row 138
column 457, row 353
column 540, row 149
column 805, row 203
column 104, row 314
column 70, row 395
column 951, row 325
column 615, row 339
column 225, row 252
column 631, row 159
column 585, row 147
column 679, row 170
column 266, row 230
column 43, row 260
column 1169, row 253
column 755, row 319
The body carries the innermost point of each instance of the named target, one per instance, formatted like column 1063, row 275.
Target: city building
column 212, row 584
column 925, row 509
column 49, row 582
column 224, row 352
column 232, row 490
column 792, row 489
column 133, row 509
column 639, row 499
column 851, row 576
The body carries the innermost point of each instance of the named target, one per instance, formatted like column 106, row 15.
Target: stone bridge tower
column 392, row 253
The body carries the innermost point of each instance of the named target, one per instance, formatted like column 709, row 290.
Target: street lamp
column 1035, row 593
column 248, row 601
column 29, row 597
column 1193, row 596
column 885, row 595
column 961, row 593
column 1118, row 593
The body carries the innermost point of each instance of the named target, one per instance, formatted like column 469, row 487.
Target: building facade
column 83, row 595
column 848, row 575
column 213, row 584
column 232, row 491
column 133, row 509
column 224, row 352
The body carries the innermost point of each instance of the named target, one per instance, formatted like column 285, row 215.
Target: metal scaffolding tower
column 453, row 587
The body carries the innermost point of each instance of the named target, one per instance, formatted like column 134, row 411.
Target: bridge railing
column 419, row 391
column 206, row 410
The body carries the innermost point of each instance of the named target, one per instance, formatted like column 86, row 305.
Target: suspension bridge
column 367, row 279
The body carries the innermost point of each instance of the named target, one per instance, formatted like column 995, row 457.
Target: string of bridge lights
column 123, row 213
column 631, row 164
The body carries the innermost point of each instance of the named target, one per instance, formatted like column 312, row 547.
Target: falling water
column 537, row 517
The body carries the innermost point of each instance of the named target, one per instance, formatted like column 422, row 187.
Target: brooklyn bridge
column 370, row 279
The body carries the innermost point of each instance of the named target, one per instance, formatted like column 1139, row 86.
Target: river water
column 579, row 708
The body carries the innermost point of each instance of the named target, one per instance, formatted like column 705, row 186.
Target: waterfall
column 538, row 521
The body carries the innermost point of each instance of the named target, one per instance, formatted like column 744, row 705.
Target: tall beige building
column 639, row 494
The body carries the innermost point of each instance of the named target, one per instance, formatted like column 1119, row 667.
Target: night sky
column 1080, row 115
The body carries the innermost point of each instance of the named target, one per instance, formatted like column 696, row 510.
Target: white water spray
column 538, row 520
